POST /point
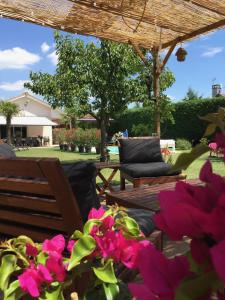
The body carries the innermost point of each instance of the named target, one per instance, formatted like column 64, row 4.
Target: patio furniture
column 106, row 181
column 37, row 198
column 142, row 163
column 143, row 197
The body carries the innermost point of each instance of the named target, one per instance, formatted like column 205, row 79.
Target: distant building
column 36, row 118
column 216, row 90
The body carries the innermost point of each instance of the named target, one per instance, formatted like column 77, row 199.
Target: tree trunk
column 103, row 140
column 8, row 130
column 156, row 90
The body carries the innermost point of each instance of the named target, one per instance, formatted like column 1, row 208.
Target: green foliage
column 8, row 110
column 187, row 123
column 182, row 144
column 140, row 130
column 192, row 95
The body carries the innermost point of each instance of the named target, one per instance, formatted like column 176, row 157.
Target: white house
column 36, row 118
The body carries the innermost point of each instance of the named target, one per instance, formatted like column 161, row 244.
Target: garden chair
column 41, row 198
column 142, row 163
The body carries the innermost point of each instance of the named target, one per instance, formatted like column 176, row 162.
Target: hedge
column 186, row 116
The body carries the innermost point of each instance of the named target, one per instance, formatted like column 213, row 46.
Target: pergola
column 150, row 24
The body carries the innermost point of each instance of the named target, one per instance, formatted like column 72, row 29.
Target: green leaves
column 111, row 291
column 129, row 226
column 215, row 120
column 82, row 248
column 106, row 273
column 8, row 266
column 185, row 159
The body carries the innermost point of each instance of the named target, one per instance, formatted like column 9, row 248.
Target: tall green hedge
column 186, row 114
column 131, row 117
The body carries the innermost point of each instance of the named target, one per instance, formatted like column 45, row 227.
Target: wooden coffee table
column 143, row 197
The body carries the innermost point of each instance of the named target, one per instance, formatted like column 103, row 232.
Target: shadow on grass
column 215, row 159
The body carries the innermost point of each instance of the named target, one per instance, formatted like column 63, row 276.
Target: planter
column 88, row 149
column 61, row 147
column 72, row 147
column 81, row 149
column 97, row 148
column 65, row 147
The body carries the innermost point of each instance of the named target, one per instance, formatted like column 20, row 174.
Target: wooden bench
column 36, row 199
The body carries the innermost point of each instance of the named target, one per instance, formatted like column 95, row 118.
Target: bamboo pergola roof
column 147, row 23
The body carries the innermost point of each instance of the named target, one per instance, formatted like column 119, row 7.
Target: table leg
column 106, row 182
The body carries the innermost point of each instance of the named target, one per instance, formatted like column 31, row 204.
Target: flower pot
column 97, row 148
column 61, row 147
column 72, row 147
column 88, row 149
column 81, row 149
column 66, row 147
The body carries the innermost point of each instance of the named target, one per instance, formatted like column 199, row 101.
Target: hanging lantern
column 181, row 54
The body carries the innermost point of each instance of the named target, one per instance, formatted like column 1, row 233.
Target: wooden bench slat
column 26, row 186
column 29, row 202
column 13, row 168
column 33, row 233
column 32, row 219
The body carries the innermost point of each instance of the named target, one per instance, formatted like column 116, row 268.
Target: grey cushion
column 6, row 151
column 144, row 218
column 82, row 179
column 153, row 169
column 140, row 150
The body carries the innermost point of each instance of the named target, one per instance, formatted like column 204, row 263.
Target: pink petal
column 141, row 292
column 218, row 258
column 200, row 251
column 96, row 213
column 31, row 250
column 206, row 172
column 44, row 273
column 55, row 265
column 57, row 244
column 70, row 245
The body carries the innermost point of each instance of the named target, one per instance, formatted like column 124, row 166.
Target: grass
column 192, row 171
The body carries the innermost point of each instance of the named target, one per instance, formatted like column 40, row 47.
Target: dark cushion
column 139, row 150
column 82, row 179
column 6, row 151
column 144, row 218
column 153, row 169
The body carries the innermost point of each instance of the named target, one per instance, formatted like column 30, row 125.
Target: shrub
column 183, row 144
column 141, row 130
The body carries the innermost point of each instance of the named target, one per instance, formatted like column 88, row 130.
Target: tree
column 70, row 116
column 192, row 95
column 100, row 79
column 8, row 110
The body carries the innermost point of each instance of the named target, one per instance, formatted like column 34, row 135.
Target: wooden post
column 156, row 90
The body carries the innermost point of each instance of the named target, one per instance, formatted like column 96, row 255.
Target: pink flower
column 200, row 251
column 107, row 243
column 96, row 213
column 31, row 250
column 32, row 278
column 161, row 276
column 220, row 140
column 70, row 245
column 55, row 265
column 192, row 210
column 57, row 244
column 218, row 258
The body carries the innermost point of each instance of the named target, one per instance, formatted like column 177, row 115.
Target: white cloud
column 13, row 86
column 45, row 47
column 53, row 57
column 211, row 52
column 17, row 58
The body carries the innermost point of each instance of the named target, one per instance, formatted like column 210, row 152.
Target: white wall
column 34, row 131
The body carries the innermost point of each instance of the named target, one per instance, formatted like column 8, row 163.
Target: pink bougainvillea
column 161, row 276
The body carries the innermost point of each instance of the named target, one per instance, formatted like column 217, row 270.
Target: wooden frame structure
column 150, row 24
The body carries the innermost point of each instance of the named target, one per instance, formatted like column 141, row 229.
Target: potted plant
column 61, row 138
column 79, row 139
column 96, row 139
column 88, row 138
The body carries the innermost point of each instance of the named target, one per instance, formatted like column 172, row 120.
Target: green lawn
column 192, row 171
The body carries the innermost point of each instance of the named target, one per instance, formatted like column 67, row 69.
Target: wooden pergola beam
column 125, row 14
column 217, row 11
column 168, row 55
column 195, row 33
column 140, row 53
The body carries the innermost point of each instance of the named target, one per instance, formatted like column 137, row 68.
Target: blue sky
column 25, row 47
